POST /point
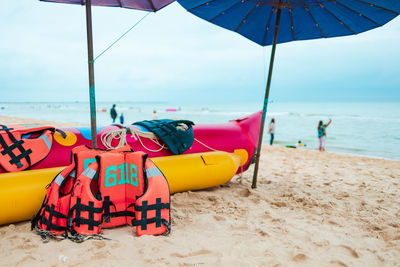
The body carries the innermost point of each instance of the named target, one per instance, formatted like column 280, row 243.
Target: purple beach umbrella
column 146, row 5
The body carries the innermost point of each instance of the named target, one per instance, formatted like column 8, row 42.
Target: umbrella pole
column 264, row 112
column 91, row 73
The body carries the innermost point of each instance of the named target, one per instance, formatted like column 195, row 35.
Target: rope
column 201, row 143
column 120, row 37
column 108, row 137
column 120, row 134
column 155, row 140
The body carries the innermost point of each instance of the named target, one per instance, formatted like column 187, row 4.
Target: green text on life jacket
column 127, row 174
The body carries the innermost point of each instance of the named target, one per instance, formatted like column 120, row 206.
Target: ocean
column 366, row 129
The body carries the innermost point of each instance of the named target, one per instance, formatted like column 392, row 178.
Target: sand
column 309, row 209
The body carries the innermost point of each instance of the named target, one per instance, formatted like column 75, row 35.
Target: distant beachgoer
column 155, row 116
column 113, row 113
column 322, row 134
column 271, row 131
column 121, row 118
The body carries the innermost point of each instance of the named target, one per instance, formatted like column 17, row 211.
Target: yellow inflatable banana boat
column 22, row 193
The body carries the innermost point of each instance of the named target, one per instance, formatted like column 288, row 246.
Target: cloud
column 175, row 56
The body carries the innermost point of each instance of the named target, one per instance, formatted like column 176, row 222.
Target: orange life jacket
column 152, row 209
column 121, row 181
column 112, row 188
column 86, row 211
column 133, row 191
column 52, row 216
column 18, row 153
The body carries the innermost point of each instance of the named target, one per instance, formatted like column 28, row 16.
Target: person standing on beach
column 155, row 116
column 322, row 134
column 271, row 131
column 113, row 113
column 121, row 118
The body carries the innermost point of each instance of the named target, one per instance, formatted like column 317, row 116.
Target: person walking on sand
column 113, row 113
column 271, row 131
column 322, row 134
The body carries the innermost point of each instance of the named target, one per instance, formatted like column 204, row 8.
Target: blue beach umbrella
column 146, row 5
column 269, row 22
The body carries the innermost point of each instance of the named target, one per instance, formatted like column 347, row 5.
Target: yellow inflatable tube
column 22, row 193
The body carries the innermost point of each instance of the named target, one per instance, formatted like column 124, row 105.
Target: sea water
column 367, row 129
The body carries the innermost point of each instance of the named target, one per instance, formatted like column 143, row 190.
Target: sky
column 173, row 56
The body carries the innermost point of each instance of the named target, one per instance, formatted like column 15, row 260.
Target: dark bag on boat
column 176, row 134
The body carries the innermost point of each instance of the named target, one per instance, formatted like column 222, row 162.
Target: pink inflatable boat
column 239, row 136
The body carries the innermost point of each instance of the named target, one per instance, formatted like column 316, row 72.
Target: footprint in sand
column 262, row 233
column 338, row 263
column 99, row 244
column 240, row 227
column 279, row 204
column 322, row 243
column 101, row 255
column 192, row 254
column 219, row 218
column 299, row 257
column 177, row 255
column 200, row 252
column 27, row 244
column 255, row 200
column 352, row 251
column 245, row 193
column 115, row 245
column 25, row 259
column 332, row 222
column 212, row 198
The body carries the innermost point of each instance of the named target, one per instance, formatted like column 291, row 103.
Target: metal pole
column 264, row 112
column 91, row 73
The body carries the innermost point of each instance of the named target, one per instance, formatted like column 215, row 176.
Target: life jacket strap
column 79, row 238
column 52, row 213
column 78, row 220
column 144, row 221
column 16, row 144
column 108, row 215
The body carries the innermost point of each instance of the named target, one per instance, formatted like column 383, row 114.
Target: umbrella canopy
column 300, row 19
column 269, row 22
column 147, row 5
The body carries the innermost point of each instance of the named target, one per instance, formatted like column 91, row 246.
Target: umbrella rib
column 223, row 12
column 152, row 6
column 361, row 15
column 340, row 21
column 248, row 15
column 291, row 20
column 316, row 24
column 268, row 25
column 206, row 3
column 383, row 8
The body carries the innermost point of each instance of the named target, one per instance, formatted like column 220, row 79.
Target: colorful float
column 237, row 136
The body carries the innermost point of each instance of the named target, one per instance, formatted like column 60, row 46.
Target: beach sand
column 309, row 209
